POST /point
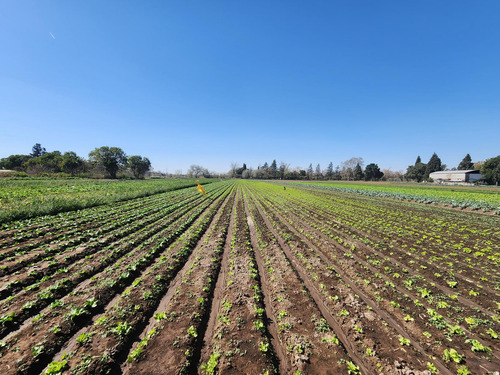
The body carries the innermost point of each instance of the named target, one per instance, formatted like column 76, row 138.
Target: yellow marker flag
column 200, row 188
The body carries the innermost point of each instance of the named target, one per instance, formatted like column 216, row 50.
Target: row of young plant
column 474, row 198
column 239, row 340
column 305, row 340
column 404, row 257
column 66, row 244
column 90, row 227
column 428, row 241
column 54, row 279
column 109, row 273
column 392, row 294
column 23, row 199
column 356, row 314
column 427, row 234
column 111, row 334
column 378, row 265
column 43, row 225
column 172, row 341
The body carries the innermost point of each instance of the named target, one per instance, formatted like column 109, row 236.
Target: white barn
column 459, row 176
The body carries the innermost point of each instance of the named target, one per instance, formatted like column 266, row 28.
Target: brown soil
column 251, row 279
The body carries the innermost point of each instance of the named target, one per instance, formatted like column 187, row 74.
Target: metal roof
column 457, row 171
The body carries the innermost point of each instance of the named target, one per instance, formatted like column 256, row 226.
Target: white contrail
column 52, row 35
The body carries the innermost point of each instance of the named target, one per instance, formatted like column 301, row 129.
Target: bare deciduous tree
column 348, row 167
column 197, row 171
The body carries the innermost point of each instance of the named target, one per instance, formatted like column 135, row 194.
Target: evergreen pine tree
column 466, row 163
column 358, row 173
column 329, row 171
column 37, row 150
column 433, row 165
column 310, row 171
column 373, row 172
column 318, row 174
column 273, row 169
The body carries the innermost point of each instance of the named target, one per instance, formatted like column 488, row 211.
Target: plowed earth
column 252, row 279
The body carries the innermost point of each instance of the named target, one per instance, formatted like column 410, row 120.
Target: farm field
column 255, row 279
column 25, row 198
column 486, row 198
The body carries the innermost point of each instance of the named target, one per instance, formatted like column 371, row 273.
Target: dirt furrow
column 136, row 305
column 219, row 287
column 240, row 342
column 368, row 301
column 328, row 243
column 79, row 272
column 358, row 360
column 272, row 326
column 69, row 314
column 173, row 337
column 308, row 345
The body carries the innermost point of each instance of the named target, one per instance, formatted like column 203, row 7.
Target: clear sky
column 216, row 82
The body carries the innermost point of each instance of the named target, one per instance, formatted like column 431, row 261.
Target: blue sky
column 216, row 82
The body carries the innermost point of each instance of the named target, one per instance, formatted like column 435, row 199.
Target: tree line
column 102, row 162
column 351, row 169
column 354, row 170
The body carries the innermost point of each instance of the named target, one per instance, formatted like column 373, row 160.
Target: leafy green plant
column 136, row 353
column 352, row 368
column 7, row 318
column 84, row 338
column 264, row 347
column 122, row 329
column 432, row 368
column 209, row 367
column 192, row 331
column 452, row 355
column 404, row 341
column 331, row 339
column 478, row 347
column 492, row 333
column 452, row 284
column 463, row 370
column 56, row 368
column 37, row 350
column 322, row 325
column 259, row 325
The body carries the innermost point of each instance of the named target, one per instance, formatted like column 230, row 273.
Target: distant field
column 474, row 197
column 25, row 198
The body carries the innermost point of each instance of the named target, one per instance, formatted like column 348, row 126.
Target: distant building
column 458, row 176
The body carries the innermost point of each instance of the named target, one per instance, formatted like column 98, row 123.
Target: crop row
column 111, row 333
column 365, row 266
column 22, row 199
column 354, row 317
column 172, row 339
column 92, row 259
column 93, row 284
column 475, row 198
column 252, row 278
